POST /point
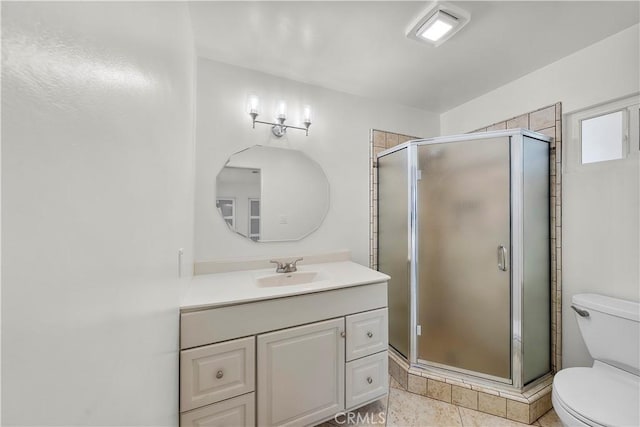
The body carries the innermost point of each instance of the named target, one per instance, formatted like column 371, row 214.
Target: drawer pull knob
column 219, row 374
column 343, row 334
column 369, row 380
column 370, row 334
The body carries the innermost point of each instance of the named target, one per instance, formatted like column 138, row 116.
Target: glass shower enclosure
column 463, row 231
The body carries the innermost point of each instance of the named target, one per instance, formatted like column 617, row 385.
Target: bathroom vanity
column 265, row 348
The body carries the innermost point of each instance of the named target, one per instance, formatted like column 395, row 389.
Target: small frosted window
column 602, row 138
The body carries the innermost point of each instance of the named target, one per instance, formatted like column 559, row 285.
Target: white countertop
column 215, row 290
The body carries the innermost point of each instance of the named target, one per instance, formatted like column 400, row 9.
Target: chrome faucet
column 286, row 267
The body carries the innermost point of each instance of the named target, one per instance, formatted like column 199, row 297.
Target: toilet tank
column 611, row 330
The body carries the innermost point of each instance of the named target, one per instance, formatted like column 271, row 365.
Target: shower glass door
column 464, row 246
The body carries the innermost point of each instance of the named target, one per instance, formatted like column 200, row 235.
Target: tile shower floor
column 404, row 409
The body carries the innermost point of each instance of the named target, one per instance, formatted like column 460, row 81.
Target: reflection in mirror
column 239, row 197
column 272, row 194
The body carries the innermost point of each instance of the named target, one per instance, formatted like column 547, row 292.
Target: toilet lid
column 606, row 397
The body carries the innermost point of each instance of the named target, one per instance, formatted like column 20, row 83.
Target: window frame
column 573, row 133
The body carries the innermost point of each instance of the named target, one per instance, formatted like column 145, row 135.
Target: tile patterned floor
column 404, row 409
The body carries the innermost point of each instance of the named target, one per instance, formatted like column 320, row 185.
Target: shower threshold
column 469, row 391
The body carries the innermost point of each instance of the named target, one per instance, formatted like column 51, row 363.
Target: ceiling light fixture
column 438, row 23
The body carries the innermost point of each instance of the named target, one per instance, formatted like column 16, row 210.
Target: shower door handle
column 502, row 258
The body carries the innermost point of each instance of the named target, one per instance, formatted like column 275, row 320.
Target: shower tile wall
column 546, row 120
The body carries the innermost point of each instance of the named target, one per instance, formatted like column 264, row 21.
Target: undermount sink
column 286, row 279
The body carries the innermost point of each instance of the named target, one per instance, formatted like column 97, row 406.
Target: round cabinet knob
column 219, row 374
column 369, row 380
column 343, row 334
column 370, row 334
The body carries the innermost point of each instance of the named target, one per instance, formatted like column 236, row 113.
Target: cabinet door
column 236, row 412
column 301, row 374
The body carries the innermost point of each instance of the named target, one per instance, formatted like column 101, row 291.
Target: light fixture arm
column 279, row 128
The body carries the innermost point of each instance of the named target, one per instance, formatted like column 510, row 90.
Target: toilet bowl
column 608, row 393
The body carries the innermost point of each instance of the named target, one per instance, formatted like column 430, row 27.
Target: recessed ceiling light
column 437, row 26
column 438, row 23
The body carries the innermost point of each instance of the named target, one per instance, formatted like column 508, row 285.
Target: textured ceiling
column 361, row 47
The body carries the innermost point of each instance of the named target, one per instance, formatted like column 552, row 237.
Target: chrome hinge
column 419, row 330
column 418, row 175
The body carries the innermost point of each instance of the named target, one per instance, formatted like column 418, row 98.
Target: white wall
column 338, row 140
column 599, row 73
column 97, row 174
column 601, row 230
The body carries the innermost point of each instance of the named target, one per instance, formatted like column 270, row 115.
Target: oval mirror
column 272, row 194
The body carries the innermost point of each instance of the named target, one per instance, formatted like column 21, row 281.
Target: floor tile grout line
column 386, row 418
column 459, row 415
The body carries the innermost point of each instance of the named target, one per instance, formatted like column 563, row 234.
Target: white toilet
column 608, row 393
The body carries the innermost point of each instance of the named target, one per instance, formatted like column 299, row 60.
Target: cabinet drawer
column 216, row 372
column 366, row 379
column 367, row 333
column 238, row 411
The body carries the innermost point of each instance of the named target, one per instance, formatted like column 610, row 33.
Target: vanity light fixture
column 278, row 127
column 438, row 23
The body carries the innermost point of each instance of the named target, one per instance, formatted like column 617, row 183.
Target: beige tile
column 478, row 419
column 559, row 284
column 432, row 376
column 540, row 407
column 518, row 411
column 494, row 405
column 408, row 410
column 519, row 122
column 377, row 150
column 417, row 384
column 397, row 372
column 558, row 110
column 497, row 126
column 461, row 396
column 379, row 139
column 456, row 382
column 391, row 139
column 393, row 383
column 550, row 132
column 550, row 419
column 485, row 390
column 394, row 369
column 404, row 138
column 480, row 130
column 558, row 130
column 558, row 215
column 543, row 119
column 514, row 396
column 439, row 390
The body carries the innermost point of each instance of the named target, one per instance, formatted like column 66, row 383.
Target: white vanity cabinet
column 292, row 361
